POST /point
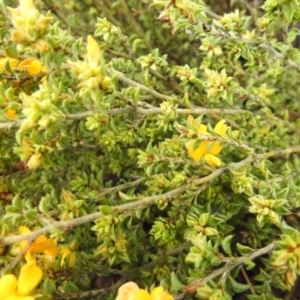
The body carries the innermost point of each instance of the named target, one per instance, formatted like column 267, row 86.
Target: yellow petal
column 159, row 294
column 26, row 4
column 29, row 257
column 202, row 129
column 25, row 63
column 93, row 52
column 11, row 113
column 67, row 252
column 216, row 148
column 17, row 297
column 199, row 152
column 24, row 230
column 30, row 276
column 221, row 128
column 142, row 295
column 12, row 64
column 190, row 119
column 127, row 291
column 32, row 66
column 40, row 244
column 52, row 248
column 212, row 160
column 8, row 285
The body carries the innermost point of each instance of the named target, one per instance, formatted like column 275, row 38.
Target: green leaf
column 69, row 287
column 49, row 286
column 176, row 284
column 11, row 52
column 244, row 250
column 126, row 197
column 238, row 287
column 106, row 209
column 292, row 34
column 249, row 263
column 288, row 11
column 139, row 212
column 226, row 243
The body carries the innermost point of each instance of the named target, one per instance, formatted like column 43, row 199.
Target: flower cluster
column 207, row 149
column 131, row 291
column 12, row 288
column 41, row 245
column 30, row 26
column 91, row 72
column 47, row 246
column 287, row 258
column 30, row 66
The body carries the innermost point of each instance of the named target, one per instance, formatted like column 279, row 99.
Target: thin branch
column 246, row 277
column 119, row 187
column 192, row 287
column 138, row 110
column 8, row 125
column 16, row 259
column 144, row 202
column 131, row 82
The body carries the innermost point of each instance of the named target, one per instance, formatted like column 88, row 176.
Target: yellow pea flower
column 65, row 252
column 94, row 55
column 12, row 288
column 12, row 63
column 221, row 128
column 207, row 149
column 41, row 244
column 131, row 291
column 32, row 66
column 11, row 113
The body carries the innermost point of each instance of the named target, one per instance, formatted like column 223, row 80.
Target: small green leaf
column 226, row 244
column 106, row 209
column 138, row 213
column 11, row 52
column 238, row 287
column 126, row 197
column 292, row 34
column 244, row 250
column 249, row 263
column 49, row 286
column 176, row 284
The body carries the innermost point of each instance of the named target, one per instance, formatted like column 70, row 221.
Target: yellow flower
column 11, row 113
column 32, row 66
column 67, row 252
column 221, row 128
column 131, row 291
column 12, row 288
column 207, row 149
column 26, row 5
column 41, row 244
column 12, row 63
column 94, row 55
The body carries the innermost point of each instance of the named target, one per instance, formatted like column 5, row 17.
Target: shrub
column 149, row 141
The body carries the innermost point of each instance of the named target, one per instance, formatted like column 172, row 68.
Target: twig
column 16, row 259
column 245, row 275
column 138, row 110
column 192, row 287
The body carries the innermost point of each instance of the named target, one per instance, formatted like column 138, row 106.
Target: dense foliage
column 153, row 142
